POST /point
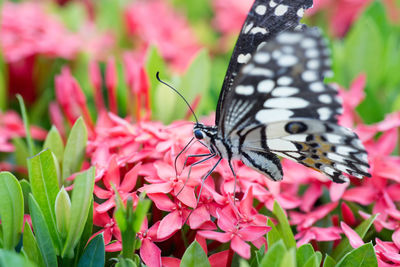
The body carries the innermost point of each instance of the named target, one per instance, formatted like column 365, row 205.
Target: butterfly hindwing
column 265, row 19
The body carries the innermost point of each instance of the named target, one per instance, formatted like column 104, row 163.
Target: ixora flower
column 173, row 37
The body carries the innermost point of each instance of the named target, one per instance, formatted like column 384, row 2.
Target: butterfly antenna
column 176, row 91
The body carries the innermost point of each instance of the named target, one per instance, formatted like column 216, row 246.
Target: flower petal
column 169, row 225
column 354, row 239
column 240, row 247
column 150, row 253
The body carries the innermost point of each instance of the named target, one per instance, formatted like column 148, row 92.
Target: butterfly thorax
column 210, row 136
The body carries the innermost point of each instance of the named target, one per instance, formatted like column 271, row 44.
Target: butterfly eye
column 198, row 134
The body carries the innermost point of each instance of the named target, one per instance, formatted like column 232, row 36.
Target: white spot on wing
column 272, row 115
column 341, row 167
column 284, row 80
column 261, row 9
column 287, row 60
column 345, row 150
column 289, row 38
column 335, row 157
column 244, row 89
column 317, row 87
column 300, row 12
column 294, row 154
column 329, row 170
column 308, row 43
column 311, row 53
column 327, row 99
column 265, row 86
column 246, row 69
column 333, row 138
column 282, row 145
column 297, row 137
column 272, row 3
column 324, row 113
column 281, row 10
column 313, row 64
column 309, row 76
column 262, row 57
column 288, row 102
column 248, row 27
column 285, row 91
column 261, row 72
column 256, row 30
column 243, row 59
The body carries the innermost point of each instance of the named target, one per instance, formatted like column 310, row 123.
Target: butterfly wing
column 266, row 18
column 279, row 104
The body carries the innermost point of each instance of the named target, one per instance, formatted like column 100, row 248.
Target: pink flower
column 235, row 232
column 318, row 234
column 149, row 252
column 230, row 15
column 354, row 239
column 11, row 126
column 387, row 253
column 113, row 180
column 155, row 23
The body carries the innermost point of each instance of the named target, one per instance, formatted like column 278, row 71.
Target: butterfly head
column 204, row 133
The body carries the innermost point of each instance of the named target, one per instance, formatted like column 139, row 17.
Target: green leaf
column 44, row 185
column 29, row 139
column 344, row 246
column 194, row 256
column 26, row 190
column 123, row 262
column 21, row 152
column 63, row 212
column 154, row 63
column 304, row 253
column 273, row 235
column 329, row 261
column 81, row 201
column 274, row 255
column 289, row 259
column 94, row 254
column 87, row 232
column 11, row 258
column 54, row 143
column 362, row 256
column 283, row 226
column 140, row 213
column 74, row 149
column 42, row 233
column 196, row 82
column 11, row 210
column 312, row 261
column 30, row 246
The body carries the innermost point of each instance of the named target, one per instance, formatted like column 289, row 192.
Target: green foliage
column 10, row 258
column 74, row 152
column 283, row 226
column 94, row 255
column 31, row 248
column 194, row 256
column 11, row 210
column 362, row 256
column 374, row 52
column 55, row 144
column 3, row 89
column 31, row 145
column 344, row 246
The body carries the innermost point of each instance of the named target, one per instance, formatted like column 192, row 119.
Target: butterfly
column 274, row 101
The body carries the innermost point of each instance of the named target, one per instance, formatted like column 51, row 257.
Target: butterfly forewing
column 264, row 20
column 279, row 104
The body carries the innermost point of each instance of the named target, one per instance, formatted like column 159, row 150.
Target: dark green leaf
column 30, row 246
column 3, row 88
column 26, row 190
column 94, row 254
column 75, row 149
column 11, row 258
column 283, row 226
column 329, row 261
column 304, row 253
column 194, row 256
column 274, row 255
column 344, row 246
column 362, row 256
column 312, row 261
column 140, row 213
column 87, row 232
column 44, row 185
column 43, row 237
column 11, row 210
column 81, row 200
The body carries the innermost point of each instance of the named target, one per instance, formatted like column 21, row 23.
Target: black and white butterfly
column 274, row 102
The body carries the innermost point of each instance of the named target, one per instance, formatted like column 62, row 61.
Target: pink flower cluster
column 27, row 30
column 173, row 37
column 142, row 157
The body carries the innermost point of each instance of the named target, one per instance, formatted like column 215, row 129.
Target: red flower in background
column 173, row 37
